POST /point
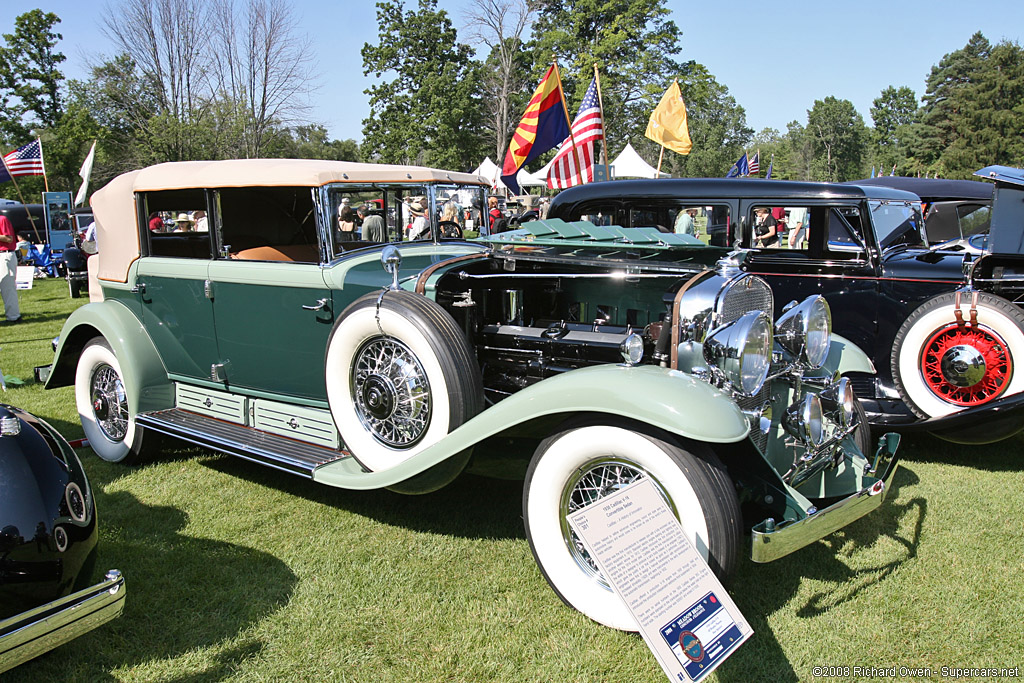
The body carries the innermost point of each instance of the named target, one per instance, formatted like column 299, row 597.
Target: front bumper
column 772, row 541
column 39, row 630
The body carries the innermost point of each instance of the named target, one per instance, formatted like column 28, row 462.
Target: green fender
column 145, row 379
column 667, row 399
column 844, row 356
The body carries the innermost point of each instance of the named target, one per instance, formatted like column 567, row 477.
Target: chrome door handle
column 321, row 304
column 139, row 288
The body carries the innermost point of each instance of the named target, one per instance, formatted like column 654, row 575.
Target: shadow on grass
column 762, row 590
column 469, row 507
column 1002, row 456
column 184, row 594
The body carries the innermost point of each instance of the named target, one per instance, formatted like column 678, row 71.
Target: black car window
column 896, row 222
column 176, row 224
column 844, row 231
column 974, row 219
column 269, row 224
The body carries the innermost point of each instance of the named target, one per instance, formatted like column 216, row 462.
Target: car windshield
column 896, row 222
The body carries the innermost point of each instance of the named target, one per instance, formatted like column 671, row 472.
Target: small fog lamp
column 838, row 401
column 803, row 420
column 632, row 349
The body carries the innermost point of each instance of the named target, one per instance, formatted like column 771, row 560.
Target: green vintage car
column 387, row 351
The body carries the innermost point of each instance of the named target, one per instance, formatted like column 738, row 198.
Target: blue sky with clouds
column 776, row 58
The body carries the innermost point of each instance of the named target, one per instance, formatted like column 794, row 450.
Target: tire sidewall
column 95, row 354
column 550, row 472
column 357, row 326
column 908, row 361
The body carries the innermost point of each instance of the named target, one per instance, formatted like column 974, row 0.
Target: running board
column 289, row 455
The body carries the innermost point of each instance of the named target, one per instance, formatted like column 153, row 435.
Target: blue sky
column 776, row 58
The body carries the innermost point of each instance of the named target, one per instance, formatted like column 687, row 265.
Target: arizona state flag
column 544, row 126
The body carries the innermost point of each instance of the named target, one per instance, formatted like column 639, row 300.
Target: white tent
column 629, row 164
column 488, row 169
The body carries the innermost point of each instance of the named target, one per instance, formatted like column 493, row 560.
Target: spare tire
column 943, row 363
column 400, row 376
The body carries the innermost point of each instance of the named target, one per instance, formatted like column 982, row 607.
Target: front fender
column 143, row 373
column 666, row 399
column 844, row 356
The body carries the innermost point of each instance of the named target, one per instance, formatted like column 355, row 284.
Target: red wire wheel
column 966, row 365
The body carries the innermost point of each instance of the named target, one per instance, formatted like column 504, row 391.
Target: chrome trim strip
column 30, row 634
column 772, row 541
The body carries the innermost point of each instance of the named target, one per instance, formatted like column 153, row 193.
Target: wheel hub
column 379, row 395
column 109, row 403
column 391, row 392
column 966, row 365
column 963, row 366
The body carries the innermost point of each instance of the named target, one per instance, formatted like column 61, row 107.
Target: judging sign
column 685, row 615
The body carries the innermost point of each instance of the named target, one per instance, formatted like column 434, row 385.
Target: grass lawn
column 238, row 572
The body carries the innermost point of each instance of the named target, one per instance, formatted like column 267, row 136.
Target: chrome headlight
column 803, row 420
column 741, row 351
column 838, row 402
column 805, row 331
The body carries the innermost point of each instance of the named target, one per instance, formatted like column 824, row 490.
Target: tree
column 311, row 142
column 29, row 77
column 840, row 139
column 893, row 112
column 500, row 24
column 972, row 114
column 262, row 69
column 430, row 113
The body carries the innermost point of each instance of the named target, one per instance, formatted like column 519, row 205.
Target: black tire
column 941, row 366
column 691, row 479
column 413, row 339
column 862, row 434
column 107, row 419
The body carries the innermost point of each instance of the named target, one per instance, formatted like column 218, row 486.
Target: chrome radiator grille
column 746, row 293
column 759, row 439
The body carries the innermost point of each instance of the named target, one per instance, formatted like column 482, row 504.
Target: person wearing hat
column 182, row 223
column 420, row 226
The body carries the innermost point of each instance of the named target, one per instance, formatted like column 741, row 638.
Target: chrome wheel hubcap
column 391, row 392
column 963, row 366
column 109, row 403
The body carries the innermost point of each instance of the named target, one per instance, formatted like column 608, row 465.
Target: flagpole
column 31, row 220
column 661, row 155
column 604, row 142
column 42, row 162
column 572, row 138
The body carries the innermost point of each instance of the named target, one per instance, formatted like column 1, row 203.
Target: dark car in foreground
column 47, row 543
column 578, row 358
column 863, row 248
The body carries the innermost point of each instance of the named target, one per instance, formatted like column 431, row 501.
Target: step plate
column 286, row 454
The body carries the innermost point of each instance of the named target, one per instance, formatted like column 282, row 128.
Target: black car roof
column 933, row 189
column 724, row 188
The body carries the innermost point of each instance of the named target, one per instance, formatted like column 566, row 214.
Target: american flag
column 26, row 160
column 755, row 163
column 586, row 129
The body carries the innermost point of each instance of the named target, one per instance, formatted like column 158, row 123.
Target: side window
column 768, row 225
column 177, row 224
column 844, row 228
column 269, row 224
column 359, row 218
column 709, row 223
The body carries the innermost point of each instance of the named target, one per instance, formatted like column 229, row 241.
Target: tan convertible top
column 287, row 173
column 117, row 234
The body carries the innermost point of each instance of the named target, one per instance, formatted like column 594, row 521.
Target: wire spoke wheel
column 966, row 366
column 109, row 402
column 392, row 393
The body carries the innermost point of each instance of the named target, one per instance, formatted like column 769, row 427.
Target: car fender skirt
column 145, row 378
column 666, row 399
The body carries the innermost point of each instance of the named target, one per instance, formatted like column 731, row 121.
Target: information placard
column 685, row 615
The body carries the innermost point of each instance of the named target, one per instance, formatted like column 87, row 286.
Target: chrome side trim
column 772, row 541
column 39, row 630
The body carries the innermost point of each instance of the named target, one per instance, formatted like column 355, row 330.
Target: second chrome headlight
column 805, row 331
column 741, row 351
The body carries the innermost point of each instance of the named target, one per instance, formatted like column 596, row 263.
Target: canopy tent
column 488, row 169
column 629, row 164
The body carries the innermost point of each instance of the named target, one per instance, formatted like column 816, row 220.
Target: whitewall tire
column 941, row 365
column 569, row 466
column 399, row 377
column 101, row 399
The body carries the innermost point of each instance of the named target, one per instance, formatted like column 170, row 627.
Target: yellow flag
column 668, row 122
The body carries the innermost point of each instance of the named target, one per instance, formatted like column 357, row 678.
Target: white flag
column 85, row 173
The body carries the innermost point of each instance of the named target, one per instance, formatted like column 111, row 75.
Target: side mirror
column 391, row 259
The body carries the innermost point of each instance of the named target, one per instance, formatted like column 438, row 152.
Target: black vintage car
column 47, row 543
column 864, row 249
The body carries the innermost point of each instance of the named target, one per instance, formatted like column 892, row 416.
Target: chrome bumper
column 772, row 541
column 38, row 630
